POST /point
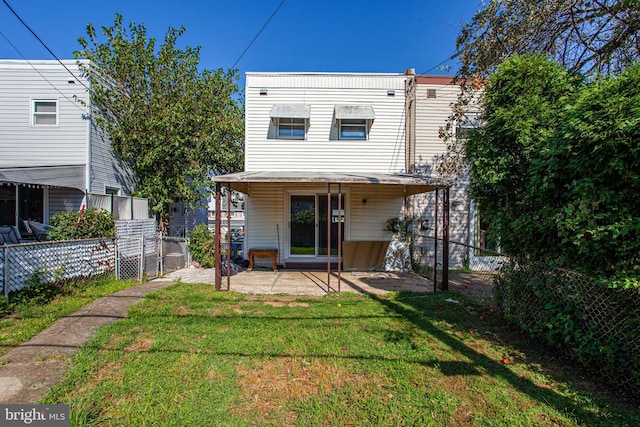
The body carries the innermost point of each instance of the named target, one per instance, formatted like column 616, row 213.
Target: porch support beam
column 435, row 246
column 445, row 240
column 328, row 237
column 339, row 234
column 216, row 250
column 229, row 236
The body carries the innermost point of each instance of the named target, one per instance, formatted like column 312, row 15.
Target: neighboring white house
column 51, row 152
column 325, row 158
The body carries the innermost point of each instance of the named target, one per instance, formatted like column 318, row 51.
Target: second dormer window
column 353, row 121
column 353, row 129
column 291, row 128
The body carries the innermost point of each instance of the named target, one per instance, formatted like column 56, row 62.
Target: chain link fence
column 138, row 250
column 578, row 315
column 471, row 269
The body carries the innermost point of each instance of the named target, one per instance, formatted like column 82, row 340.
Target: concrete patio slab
column 297, row 282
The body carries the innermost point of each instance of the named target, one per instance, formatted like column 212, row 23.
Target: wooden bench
column 263, row 253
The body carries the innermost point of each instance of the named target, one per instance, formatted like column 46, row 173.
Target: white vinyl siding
column 107, row 170
column 323, row 150
column 368, row 218
column 267, row 221
column 24, row 144
column 31, row 94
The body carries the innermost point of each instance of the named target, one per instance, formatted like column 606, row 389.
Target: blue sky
column 305, row 35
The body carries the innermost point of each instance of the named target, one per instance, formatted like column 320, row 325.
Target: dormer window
column 353, row 129
column 354, row 121
column 291, row 120
column 291, row 128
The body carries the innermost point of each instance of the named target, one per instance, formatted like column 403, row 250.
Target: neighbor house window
column 353, row 129
column 291, row 128
column 465, row 124
column 45, row 113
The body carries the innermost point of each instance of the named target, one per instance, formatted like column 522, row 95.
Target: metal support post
column 445, row 241
column 6, row 271
column 435, row 246
column 216, row 238
column 228, row 236
column 339, row 234
column 328, row 237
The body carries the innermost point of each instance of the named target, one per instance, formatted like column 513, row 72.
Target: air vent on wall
column 431, row 93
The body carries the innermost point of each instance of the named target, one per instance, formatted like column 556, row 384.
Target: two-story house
column 51, row 153
column 325, row 161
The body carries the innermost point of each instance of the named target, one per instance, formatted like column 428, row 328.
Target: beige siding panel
column 264, row 216
column 431, row 115
column 368, row 219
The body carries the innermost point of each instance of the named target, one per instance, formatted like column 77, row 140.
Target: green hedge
column 201, row 244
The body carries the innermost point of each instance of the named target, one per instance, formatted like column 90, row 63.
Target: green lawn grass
column 190, row 356
column 29, row 316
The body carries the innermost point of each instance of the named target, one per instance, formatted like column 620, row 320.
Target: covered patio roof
column 412, row 184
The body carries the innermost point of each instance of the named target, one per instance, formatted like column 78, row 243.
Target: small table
column 263, row 253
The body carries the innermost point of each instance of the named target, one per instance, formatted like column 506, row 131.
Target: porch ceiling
column 411, row 184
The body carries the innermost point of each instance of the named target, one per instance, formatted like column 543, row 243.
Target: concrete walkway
column 30, row 370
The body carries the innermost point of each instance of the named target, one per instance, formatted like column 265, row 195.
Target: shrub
column 201, row 244
column 88, row 224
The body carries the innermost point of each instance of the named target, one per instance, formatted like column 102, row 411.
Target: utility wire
column 454, row 56
column 257, row 35
column 43, row 43
column 42, row 75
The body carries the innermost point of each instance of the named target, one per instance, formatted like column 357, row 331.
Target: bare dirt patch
column 141, row 344
column 270, row 387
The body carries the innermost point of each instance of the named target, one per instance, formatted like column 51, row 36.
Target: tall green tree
column 556, row 167
column 589, row 37
column 595, row 162
column 174, row 124
column 523, row 104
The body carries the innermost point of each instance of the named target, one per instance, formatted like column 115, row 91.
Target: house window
column 112, row 191
column 45, row 113
column 291, row 128
column 353, row 129
column 353, row 121
column 466, row 123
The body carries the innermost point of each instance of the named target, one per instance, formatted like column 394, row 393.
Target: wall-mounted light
column 364, row 201
column 391, row 93
column 263, row 92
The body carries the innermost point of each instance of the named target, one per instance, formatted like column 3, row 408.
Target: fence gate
column 138, row 250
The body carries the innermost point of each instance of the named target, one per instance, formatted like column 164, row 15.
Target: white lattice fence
column 51, row 261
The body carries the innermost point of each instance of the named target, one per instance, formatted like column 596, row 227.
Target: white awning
column 295, row 111
column 354, row 112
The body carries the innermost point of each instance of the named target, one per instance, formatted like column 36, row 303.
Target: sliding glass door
column 309, row 215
